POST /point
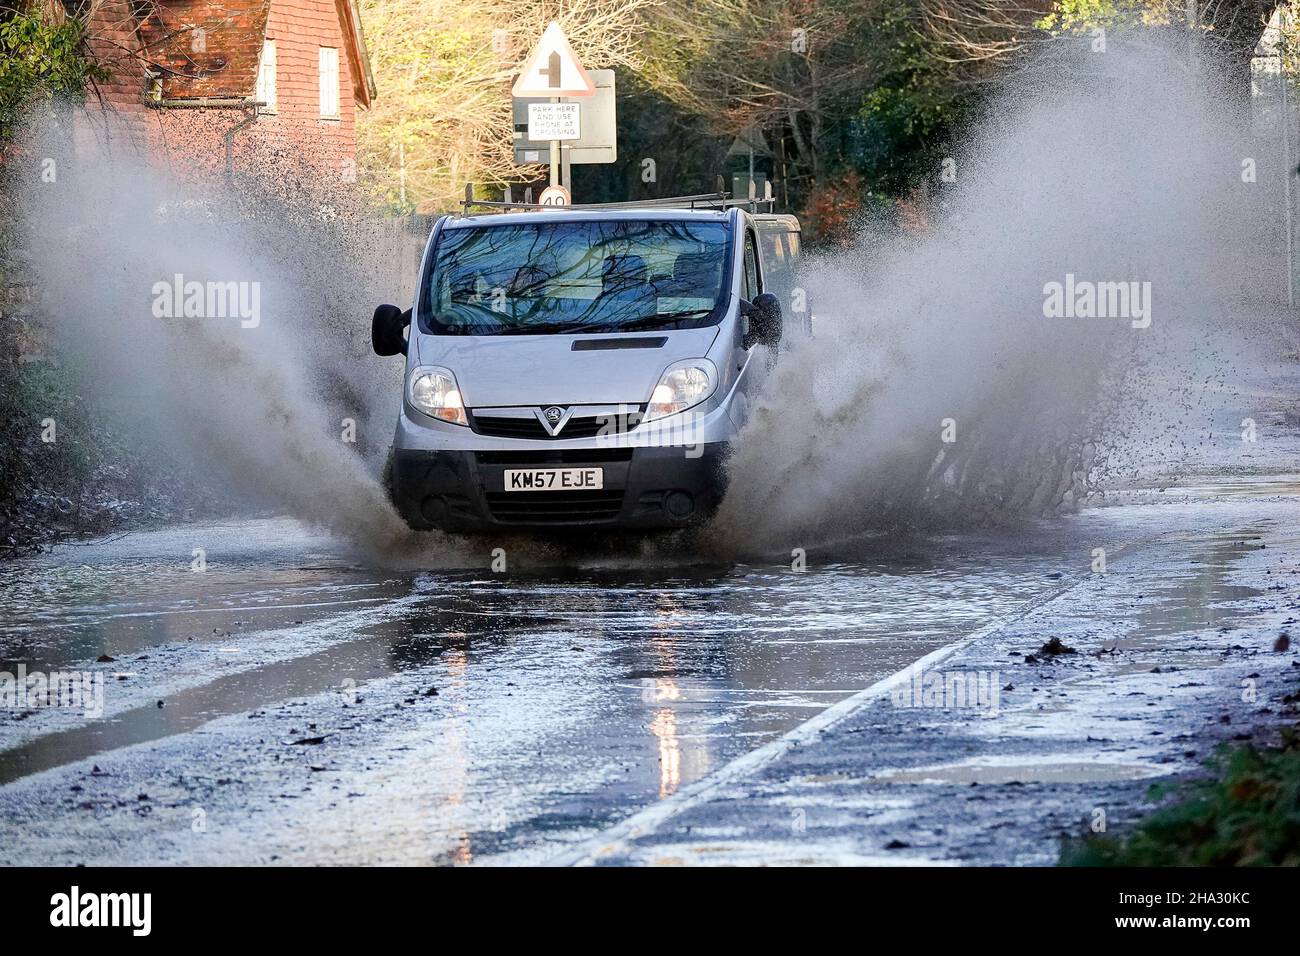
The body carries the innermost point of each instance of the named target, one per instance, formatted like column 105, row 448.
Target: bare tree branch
column 444, row 74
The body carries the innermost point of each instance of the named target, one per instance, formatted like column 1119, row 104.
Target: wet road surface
column 291, row 703
column 607, row 686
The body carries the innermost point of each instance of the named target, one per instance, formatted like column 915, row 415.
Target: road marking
column 614, row 838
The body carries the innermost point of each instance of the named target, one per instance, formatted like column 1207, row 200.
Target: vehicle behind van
column 585, row 367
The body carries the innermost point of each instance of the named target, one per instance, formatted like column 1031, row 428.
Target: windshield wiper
column 644, row 324
column 547, row 330
column 660, row 321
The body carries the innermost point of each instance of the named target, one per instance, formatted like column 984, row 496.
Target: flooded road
column 292, row 702
column 529, row 702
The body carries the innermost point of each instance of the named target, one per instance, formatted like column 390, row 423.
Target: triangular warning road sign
column 553, row 70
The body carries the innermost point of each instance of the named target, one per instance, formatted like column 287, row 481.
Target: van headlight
column 433, row 390
column 682, row 386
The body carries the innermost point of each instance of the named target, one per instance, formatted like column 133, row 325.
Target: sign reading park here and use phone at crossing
column 563, row 113
column 548, row 121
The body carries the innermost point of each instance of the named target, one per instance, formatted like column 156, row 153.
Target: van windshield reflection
column 576, row 277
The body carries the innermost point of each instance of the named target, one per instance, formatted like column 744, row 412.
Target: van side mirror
column 765, row 323
column 386, row 330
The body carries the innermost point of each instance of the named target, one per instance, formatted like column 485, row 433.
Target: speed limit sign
column 555, row 196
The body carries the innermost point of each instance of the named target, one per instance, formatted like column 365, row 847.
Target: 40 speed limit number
column 555, row 196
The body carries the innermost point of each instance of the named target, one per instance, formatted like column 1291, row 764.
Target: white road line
column 643, row 822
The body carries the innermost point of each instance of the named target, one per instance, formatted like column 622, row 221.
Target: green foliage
column 905, row 119
column 39, row 61
column 1247, row 814
column 39, row 390
column 1070, row 15
column 917, row 106
column 1080, row 16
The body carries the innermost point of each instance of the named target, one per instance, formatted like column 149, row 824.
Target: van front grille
column 554, row 507
column 497, row 426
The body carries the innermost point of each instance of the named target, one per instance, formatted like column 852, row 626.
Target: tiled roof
column 205, row 49
column 202, row 49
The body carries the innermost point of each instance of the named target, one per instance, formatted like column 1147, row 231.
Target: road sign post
column 555, row 122
column 597, row 141
column 552, row 70
column 555, row 154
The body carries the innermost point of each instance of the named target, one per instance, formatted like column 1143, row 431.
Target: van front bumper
column 643, row 488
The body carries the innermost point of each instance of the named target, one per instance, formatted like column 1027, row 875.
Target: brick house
column 187, row 76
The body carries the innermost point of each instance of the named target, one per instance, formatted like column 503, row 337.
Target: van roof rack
column 717, row 200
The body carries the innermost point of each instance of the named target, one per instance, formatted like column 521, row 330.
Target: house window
column 265, row 90
column 329, row 82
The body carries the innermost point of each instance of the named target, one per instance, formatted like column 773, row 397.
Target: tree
column 444, row 69
column 790, row 68
column 43, row 58
column 982, row 33
column 854, row 97
column 908, row 117
column 43, row 55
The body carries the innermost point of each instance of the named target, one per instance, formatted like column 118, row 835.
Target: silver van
column 584, row 367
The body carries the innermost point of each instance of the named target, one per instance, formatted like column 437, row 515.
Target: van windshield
column 562, row 277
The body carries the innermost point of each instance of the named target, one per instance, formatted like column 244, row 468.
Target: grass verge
column 1246, row 813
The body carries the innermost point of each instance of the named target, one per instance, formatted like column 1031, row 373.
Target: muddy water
column 467, row 715
column 688, row 664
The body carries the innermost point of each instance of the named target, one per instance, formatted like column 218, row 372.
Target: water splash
column 1127, row 170
column 287, row 409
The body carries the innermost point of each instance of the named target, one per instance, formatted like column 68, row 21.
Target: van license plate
column 555, row 479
